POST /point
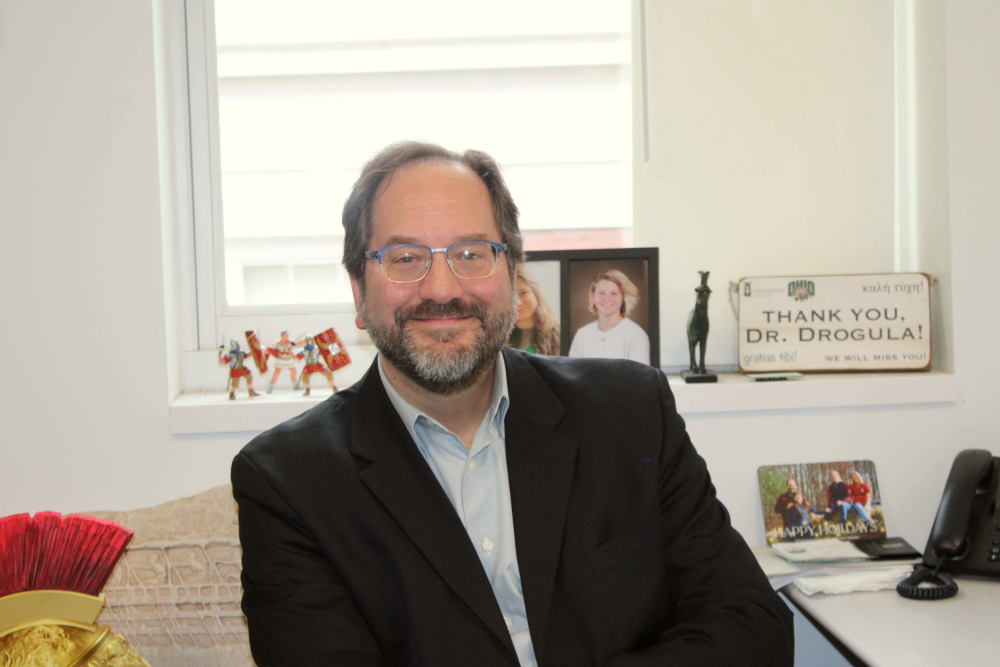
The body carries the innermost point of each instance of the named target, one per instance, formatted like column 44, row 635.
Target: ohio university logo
column 801, row 289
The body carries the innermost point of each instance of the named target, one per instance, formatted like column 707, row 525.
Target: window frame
column 212, row 309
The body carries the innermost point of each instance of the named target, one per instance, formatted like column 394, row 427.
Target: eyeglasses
column 412, row 263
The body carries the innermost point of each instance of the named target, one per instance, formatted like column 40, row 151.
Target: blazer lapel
column 540, row 464
column 403, row 482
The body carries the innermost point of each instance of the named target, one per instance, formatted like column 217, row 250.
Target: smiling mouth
column 432, row 316
column 442, row 320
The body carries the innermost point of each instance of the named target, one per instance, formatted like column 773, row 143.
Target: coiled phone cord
column 944, row 586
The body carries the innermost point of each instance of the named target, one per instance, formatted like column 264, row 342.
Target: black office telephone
column 965, row 537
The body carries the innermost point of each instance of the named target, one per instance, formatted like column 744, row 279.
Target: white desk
column 885, row 630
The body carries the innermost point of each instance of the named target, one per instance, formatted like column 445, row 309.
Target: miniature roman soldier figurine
column 237, row 370
column 284, row 355
column 314, row 365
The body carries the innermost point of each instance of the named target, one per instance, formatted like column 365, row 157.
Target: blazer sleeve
column 724, row 611
column 298, row 610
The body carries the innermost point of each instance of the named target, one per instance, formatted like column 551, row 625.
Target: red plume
column 51, row 552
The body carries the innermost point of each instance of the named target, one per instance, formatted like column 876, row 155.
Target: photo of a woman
column 838, row 498
column 860, row 496
column 613, row 335
column 537, row 328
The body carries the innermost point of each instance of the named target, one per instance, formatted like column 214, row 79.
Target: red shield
column 331, row 348
column 257, row 352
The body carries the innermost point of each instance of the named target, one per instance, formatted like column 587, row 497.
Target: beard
column 440, row 367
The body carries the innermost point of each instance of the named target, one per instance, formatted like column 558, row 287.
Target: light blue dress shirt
column 475, row 481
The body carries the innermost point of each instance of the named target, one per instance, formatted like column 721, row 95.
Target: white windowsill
column 737, row 393
column 214, row 413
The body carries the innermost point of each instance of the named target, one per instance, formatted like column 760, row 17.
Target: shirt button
column 472, row 465
column 510, row 623
column 487, row 545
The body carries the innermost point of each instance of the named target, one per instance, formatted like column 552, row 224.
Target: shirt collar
column 497, row 412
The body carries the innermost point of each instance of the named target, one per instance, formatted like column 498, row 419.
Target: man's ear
column 356, row 289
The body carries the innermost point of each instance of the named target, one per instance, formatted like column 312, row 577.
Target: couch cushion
column 175, row 595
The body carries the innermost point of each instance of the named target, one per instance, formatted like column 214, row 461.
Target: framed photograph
column 835, row 499
column 590, row 303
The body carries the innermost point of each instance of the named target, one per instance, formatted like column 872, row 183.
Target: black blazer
column 353, row 554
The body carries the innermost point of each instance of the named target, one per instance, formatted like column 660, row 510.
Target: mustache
column 432, row 310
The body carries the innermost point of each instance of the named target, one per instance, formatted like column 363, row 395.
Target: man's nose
column 440, row 284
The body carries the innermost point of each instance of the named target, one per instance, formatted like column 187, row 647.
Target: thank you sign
column 835, row 323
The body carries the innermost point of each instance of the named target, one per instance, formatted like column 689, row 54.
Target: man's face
column 442, row 332
column 792, row 486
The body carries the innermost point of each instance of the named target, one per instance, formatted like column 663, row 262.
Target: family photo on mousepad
column 838, row 499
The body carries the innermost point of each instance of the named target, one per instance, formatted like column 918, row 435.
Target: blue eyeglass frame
column 377, row 254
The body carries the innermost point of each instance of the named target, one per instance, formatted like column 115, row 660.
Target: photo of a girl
column 537, row 328
column 612, row 297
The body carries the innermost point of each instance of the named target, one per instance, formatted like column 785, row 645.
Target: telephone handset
column 965, row 537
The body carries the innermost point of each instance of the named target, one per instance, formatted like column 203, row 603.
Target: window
column 775, row 138
column 308, row 91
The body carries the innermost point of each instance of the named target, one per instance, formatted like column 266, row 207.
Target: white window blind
column 308, row 91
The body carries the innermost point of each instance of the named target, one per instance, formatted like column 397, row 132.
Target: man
column 463, row 505
column 784, row 506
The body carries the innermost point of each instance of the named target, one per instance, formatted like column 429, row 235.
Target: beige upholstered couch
column 176, row 593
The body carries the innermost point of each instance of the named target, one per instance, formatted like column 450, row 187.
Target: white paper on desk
column 859, row 580
column 772, row 564
column 815, row 551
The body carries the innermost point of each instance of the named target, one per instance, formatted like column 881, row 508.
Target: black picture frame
column 570, row 272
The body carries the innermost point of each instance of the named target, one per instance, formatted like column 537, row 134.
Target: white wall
column 958, row 99
column 83, row 402
column 770, row 149
column 81, row 256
